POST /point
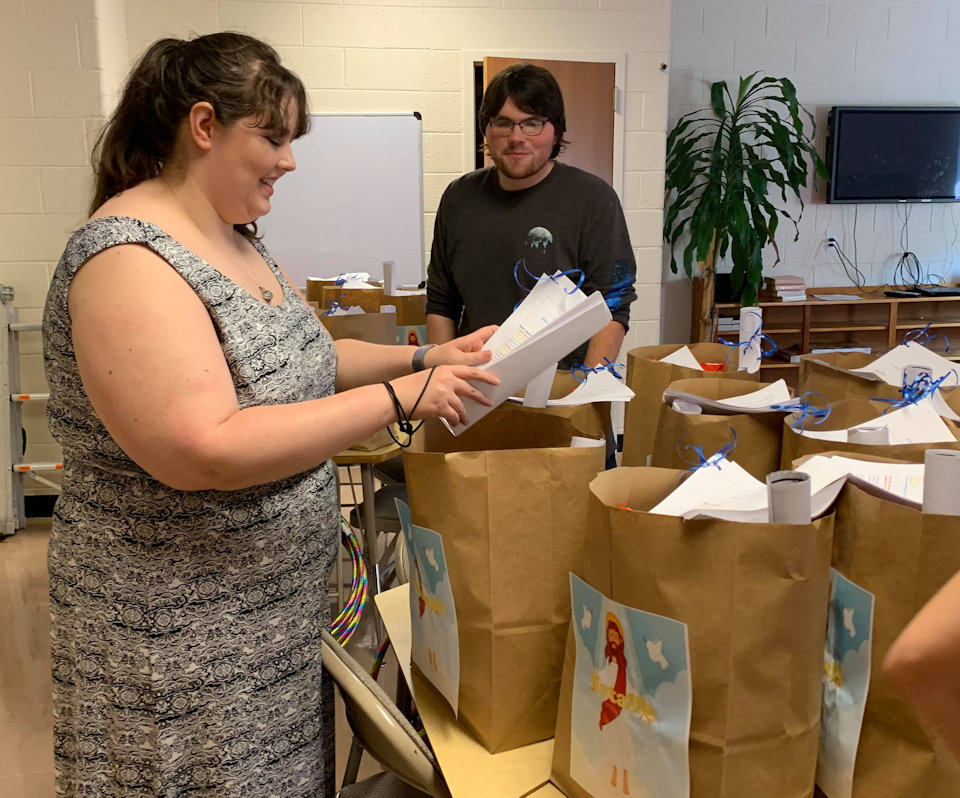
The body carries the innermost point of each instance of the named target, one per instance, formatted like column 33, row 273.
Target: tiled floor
column 26, row 740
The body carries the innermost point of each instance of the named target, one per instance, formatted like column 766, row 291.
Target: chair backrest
column 382, row 729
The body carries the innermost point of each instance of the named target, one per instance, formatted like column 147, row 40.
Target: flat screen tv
column 894, row 154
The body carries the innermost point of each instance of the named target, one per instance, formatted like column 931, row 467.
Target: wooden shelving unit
column 868, row 318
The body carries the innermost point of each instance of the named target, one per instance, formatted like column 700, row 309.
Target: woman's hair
column 238, row 75
column 534, row 90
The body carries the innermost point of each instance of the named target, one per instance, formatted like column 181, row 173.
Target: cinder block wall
column 61, row 62
column 840, row 52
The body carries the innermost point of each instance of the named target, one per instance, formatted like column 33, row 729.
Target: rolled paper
column 941, row 479
column 751, row 325
column 788, row 497
column 538, row 389
column 870, row 436
column 579, row 442
column 389, row 278
column 687, row 408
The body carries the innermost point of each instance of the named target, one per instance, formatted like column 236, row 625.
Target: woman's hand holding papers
column 466, row 350
column 450, row 370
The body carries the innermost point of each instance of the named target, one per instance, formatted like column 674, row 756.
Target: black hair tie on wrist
column 403, row 418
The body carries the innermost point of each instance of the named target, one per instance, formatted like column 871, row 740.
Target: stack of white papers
column 762, row 400
column 916, row 423
column 599, row 386
column 889, row 369
column 553, row 320
column 723, row 489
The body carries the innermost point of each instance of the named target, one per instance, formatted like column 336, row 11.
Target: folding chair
column 383, row 732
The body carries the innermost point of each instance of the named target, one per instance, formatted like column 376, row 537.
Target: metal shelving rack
column 13, row 469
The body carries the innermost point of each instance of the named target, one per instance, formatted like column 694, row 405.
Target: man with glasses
column 499, row 228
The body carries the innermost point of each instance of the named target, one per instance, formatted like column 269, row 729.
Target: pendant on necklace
column 265, row 293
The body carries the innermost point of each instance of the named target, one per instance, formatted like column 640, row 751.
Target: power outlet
column 829, row 239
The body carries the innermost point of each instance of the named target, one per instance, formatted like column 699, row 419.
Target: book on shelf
column 782, row 296
column 785, row 281
column 793, row 353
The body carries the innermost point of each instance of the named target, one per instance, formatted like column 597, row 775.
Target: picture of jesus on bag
column 630, row 714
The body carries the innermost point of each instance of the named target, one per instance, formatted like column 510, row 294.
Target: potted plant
column 723, row 164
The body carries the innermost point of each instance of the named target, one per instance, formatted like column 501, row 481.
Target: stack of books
column 726, row 324
column 783, row 288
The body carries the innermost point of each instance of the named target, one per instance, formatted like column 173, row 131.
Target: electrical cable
column 345, row 624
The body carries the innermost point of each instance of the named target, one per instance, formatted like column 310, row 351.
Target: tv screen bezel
column 832, row 151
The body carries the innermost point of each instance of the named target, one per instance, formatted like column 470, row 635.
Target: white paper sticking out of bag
column 682, row 357
column 553, row 320
column 916, row 423
column 889, row 367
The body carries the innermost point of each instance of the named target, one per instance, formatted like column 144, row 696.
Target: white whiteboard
column 354, row 201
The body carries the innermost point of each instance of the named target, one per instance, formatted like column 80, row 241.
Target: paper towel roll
column 941, row 480
column 788, row 497
column 871, row 436
column 538, row 389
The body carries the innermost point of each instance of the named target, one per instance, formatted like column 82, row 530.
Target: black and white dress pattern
column 186, row 624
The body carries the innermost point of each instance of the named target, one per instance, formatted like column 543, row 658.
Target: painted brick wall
column 872, row 52
column 61, row 62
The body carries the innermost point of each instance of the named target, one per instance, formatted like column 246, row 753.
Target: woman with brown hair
column 198, row 402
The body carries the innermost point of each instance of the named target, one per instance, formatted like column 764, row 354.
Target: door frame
column 473, row 57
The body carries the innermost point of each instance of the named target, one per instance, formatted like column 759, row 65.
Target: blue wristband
column 418, row 357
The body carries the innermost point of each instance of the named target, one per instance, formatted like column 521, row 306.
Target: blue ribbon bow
column 922, row 337
column 802, row 406
column 335, row 305
column 713, row 460
column 921, row 387
column 758, row 334
column 585, row 370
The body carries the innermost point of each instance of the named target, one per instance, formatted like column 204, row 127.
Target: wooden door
column 588, row 98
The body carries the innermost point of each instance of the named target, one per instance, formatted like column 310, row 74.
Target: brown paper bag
column 903, row 557
column 832, row 375
column 370, row 299
column 844, row 414
column 647, row 377
column 374, row 328
column 590, row 420
column 411, row 318
column 511, row 507
column 757, row 435
column 754, row 598
column 313, row 289
column 411, row 309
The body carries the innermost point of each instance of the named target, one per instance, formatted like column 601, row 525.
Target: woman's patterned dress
column 186, row 624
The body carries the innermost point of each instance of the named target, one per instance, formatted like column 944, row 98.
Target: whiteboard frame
column 403, row 277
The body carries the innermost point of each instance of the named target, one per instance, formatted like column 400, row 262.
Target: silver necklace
column 266, row 293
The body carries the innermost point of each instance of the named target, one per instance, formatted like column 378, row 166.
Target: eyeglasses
column 529, row 127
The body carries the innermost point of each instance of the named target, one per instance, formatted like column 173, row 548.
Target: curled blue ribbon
column 335, row 305
column 713, row 460
column 922, row 337
column 523, row 262
column 758, row 334
column 585, row 370
column 802, row 406
column 921, row 387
